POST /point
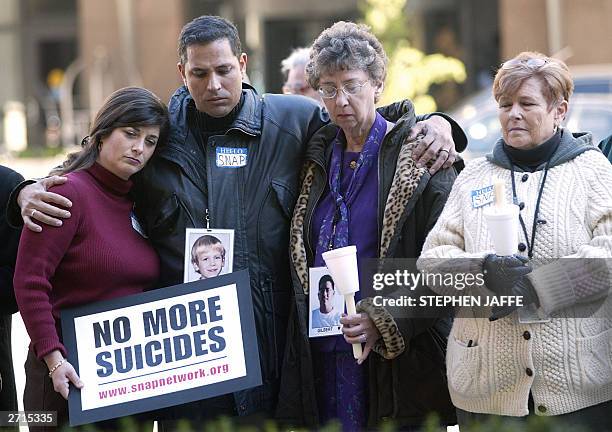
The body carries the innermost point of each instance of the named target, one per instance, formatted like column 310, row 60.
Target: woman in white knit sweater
column 514, row 366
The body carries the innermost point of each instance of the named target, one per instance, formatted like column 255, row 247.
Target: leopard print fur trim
column 405, row 182
column 392, row 342
column 298, row 248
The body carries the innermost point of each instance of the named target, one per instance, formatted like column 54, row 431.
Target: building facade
column 61, row 58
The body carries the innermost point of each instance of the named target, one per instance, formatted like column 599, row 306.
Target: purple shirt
column 343, row 383
column 363, row 231
column 363, row 224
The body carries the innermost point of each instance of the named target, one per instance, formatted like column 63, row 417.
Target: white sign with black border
column 162, row 348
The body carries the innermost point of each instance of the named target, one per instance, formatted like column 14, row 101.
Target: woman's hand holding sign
column 61, row 373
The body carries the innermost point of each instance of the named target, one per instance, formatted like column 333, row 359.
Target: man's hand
column 360, row 329
column 434, row 138
column 39, row 205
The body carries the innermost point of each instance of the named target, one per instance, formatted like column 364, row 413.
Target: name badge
column 482, row 197
column 230, row 157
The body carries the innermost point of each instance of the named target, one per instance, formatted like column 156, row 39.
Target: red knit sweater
column 95, row 255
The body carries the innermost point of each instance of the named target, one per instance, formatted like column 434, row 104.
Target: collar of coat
column 408, row 183
column 571, row 145
column 182, row 106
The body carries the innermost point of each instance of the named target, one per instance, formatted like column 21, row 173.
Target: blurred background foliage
column 410, row 72
column 225, row 424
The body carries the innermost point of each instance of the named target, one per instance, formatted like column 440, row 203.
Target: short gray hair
column 346, row 46
column 298, row 57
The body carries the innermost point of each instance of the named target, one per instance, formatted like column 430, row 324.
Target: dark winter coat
column 10, row 241
column 404, row 385
column 182, row 184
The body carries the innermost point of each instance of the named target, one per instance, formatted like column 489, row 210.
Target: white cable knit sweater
column 567, row 362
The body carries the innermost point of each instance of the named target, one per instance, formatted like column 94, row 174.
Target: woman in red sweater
column 97, row 254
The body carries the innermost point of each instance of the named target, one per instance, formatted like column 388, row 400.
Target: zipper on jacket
column 251, row 134
column 208, row 168
column 186, row 210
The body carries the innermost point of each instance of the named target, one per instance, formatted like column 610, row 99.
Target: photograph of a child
column 326, row 304
column 208, row 256
column 208, row 253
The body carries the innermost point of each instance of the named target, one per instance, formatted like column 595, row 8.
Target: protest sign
column 162, row 348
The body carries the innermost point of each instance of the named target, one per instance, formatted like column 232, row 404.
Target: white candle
column 499, row 190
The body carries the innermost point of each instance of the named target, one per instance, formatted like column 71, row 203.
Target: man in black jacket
column 191, row 184
column 8, row 254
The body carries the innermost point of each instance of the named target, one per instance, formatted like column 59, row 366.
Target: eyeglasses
column 533, row 63
column 349, row 89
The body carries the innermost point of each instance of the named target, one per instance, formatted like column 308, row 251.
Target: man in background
column 295, row 76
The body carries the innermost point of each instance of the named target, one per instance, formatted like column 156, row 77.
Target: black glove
column 506, row 276
column 523, row 288
column 501, row 273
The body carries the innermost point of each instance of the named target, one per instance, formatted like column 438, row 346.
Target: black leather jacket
column 256, row 201
column 10, row 241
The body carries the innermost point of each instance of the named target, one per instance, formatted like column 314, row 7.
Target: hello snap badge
column 231, row 157
column 482, row 197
